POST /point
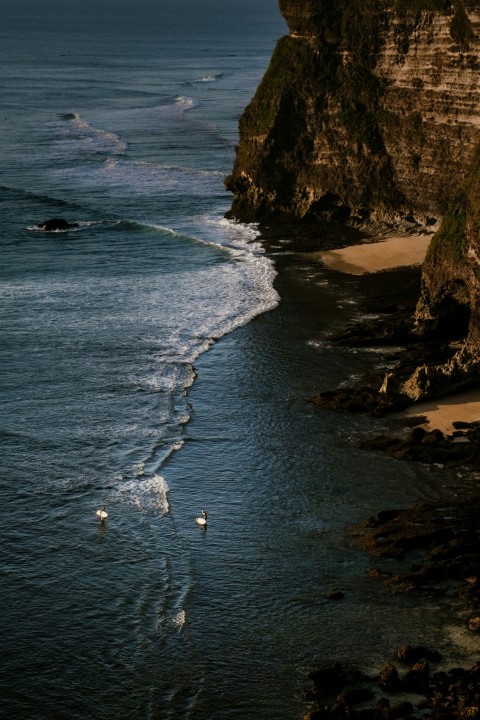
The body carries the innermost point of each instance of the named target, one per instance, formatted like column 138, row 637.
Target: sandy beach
column 442, row 413
column 385, row 254
column 391, row 253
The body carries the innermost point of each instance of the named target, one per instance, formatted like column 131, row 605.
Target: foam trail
column 148, row 494
column 100, row 140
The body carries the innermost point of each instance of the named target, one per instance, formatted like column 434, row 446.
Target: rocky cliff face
column 449, row 306
column 369, row 109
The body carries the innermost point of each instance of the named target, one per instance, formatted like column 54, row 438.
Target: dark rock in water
column 355, row 696
column 433, row 437
column 401, row 710
column 407, row 654
column 417, row 435
column 388, row 678
column 412, row 655
column 474, row 624
column 56, row 224
column 329, row 680
column 443, row 696
column 444, row 538
column 418, row 679
column 384, row 516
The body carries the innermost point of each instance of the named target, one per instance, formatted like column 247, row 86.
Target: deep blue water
column 156, row 359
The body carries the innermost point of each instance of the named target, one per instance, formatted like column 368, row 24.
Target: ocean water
column 155, row 359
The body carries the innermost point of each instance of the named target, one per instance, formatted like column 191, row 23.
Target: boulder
column 401, row 710
column 433, row 437
column 388, row 678
column 474, row 624
column 417, row 679
column 56, row 224
column 329, row 680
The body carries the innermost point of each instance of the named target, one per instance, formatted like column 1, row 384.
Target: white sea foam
column 209, row 78
column 174, row 372
column 36, row 228
column 320, row 344
column 102, row 140
column 157, row 488
column 179, row 619
column 139, row 469
column 148, row 494
column 184, row 103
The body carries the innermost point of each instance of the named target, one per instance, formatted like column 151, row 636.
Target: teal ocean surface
column 156, row 359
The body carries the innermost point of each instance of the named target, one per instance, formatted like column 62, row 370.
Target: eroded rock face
column 449, row 305
column 369, row 109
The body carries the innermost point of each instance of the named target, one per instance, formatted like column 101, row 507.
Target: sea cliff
column 369, row 109
column 369, row 114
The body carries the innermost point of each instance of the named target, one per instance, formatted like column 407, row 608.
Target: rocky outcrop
column 56, row 225
column 418, row 689
column 369, row 110
column 449, row 305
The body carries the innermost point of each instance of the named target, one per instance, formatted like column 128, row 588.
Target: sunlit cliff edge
column 370, row 113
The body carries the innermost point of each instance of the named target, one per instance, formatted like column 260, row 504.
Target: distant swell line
column 40, row 197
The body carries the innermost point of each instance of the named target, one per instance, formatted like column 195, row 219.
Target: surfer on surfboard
column 102, row 514
column 202, row 521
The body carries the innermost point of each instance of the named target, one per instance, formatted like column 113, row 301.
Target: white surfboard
column 102, row 514
column 201, row 521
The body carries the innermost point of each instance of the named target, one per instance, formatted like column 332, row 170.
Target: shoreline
column 428, row 550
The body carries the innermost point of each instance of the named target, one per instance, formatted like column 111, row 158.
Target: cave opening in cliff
column 330, row 206
column 453, row 320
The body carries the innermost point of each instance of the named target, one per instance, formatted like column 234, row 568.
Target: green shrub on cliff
column 451, row 240
column 294, row 66
column 461, row 220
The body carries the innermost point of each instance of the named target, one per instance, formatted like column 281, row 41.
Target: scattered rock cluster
column 417, row 691
column 436, row 546
column 433, row 447
column 432, row 549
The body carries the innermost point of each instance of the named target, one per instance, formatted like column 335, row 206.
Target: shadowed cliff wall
column 368, row 110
